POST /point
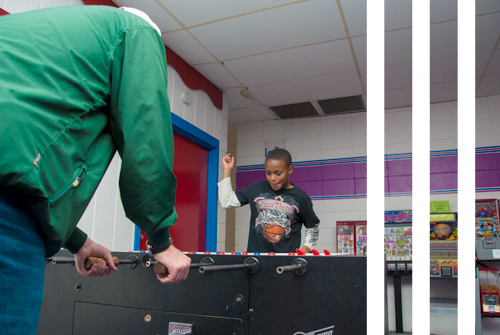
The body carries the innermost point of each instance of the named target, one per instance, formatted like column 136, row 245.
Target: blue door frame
column 196, row 135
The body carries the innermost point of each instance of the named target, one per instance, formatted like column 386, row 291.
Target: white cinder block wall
column 345, row 136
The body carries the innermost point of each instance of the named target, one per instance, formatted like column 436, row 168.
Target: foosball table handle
column 160, row 269
column 93, row 260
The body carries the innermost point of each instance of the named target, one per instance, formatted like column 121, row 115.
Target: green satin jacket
column 77, row 84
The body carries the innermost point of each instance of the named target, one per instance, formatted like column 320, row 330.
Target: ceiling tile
column 316, row 88
column 20, row 6
column 250, row 115
column 494, row 67
column 397, row 14
column 193, row 13
column 355, row 16
column 481, row 61
column 487, row 31
column 489, row 86
column 487, row 6
column 443, row 39
column 157, row 14
column 398, row 98
column 276, row 40
column 237, row 101
column 443, row 70
column 221, row 77
column 359, row 45
column 276, row 29
column 187, row 48
column 443, row 10
column 364, row 77
column 398, row 76
column 297, row 63
column 398, row 46
column 443, row 92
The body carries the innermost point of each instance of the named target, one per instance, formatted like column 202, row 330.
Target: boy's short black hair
column 280, row 154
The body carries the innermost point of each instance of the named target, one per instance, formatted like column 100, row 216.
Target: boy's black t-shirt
column 276, row 216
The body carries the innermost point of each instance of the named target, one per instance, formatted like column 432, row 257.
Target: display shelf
column 443, row 306
column 444, row 278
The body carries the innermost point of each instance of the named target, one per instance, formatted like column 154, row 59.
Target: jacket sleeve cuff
column 161, row 234
column 159, row 238
column 75, row 241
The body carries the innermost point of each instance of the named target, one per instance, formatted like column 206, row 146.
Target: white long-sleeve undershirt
column 227, row 197
column 311, row 237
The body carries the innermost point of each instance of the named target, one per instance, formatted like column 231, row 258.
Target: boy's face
column 277, row 174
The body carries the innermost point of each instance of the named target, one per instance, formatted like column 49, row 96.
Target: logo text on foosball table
column 323, row 331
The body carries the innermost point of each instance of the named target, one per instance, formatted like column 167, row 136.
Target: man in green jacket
column 78, row 84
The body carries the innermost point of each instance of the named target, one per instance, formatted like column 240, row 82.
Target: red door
column 191, row 171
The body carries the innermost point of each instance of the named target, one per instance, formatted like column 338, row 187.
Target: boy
column 278, row 209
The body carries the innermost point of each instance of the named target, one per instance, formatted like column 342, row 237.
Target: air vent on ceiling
column 344, row 105
column 293, row 111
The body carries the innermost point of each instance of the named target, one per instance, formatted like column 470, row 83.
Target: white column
column 421, row 165
column 466, row 166
column 375, row 167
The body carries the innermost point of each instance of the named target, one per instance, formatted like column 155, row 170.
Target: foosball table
column 223, row 294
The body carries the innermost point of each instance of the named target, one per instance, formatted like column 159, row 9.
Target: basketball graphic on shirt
column 273, row 224
column 275, row 216
column 273, row 232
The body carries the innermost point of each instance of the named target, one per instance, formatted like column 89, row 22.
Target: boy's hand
column 306, row 249
column 228, row 162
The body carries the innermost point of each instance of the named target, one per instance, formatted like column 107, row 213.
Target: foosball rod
column 251, row 263
column 299, row 266
column 90, row 261
column 160, row 269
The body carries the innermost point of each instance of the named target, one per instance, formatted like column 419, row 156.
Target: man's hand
column 177, row 265
column 101, row 268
